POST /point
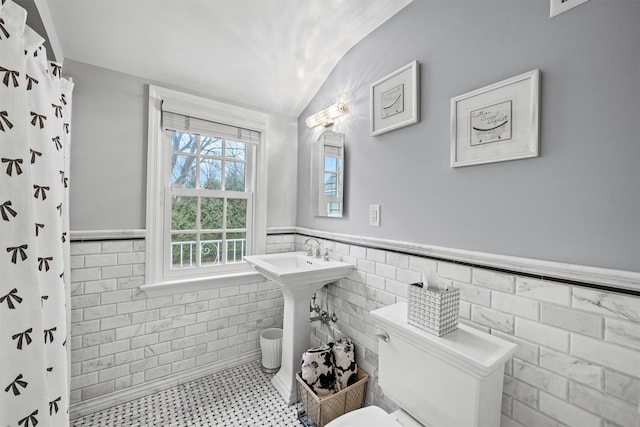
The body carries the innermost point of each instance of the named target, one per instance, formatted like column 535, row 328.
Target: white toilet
column 454, row 380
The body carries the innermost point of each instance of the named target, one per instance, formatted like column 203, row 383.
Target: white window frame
column 157, row 273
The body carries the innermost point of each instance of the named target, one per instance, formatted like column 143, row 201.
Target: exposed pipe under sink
column 323, row 315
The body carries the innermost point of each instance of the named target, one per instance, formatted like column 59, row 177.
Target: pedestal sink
column 298, row 276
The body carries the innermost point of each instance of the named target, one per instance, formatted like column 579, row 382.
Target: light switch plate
column 559, row 6
column 374, row 215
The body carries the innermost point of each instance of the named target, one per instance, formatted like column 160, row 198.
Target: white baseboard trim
column 99, row 403
column 619, row 279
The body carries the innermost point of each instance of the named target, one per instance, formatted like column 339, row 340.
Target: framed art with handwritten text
column 496, row 123
column 395, row 100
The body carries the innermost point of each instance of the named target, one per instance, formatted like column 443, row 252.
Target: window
column 204, row 210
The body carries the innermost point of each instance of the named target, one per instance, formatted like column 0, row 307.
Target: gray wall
column 109, row 152
column 108, row 149
column 579, row 202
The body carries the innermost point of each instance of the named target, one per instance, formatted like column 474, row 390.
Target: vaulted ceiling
column 268, row 54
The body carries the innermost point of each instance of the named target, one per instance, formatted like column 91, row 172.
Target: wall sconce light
column 327, row 116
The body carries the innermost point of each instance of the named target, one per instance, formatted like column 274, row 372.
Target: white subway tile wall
column 122, row 338
column 578, row 356
column 577, row 362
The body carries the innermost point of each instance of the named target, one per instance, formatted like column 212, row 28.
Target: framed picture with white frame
column 395, row 100
column 496, row 123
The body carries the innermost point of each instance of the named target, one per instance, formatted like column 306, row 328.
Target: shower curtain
column 35, row 110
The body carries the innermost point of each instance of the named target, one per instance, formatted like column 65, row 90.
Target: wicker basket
column 324, row 410
column 435, row 311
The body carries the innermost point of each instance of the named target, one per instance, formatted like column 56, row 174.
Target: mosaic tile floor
column 241, row 396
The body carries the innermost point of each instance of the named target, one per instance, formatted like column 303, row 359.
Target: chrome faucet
column 313, row 250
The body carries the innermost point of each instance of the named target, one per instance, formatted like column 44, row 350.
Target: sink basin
column 294, row 269
column 298, row 276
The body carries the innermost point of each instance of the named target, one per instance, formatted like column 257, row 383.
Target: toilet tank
column 453, row 380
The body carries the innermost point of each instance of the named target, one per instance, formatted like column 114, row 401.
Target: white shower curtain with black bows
column 35, row 113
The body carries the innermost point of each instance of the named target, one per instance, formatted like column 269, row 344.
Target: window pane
column 211, row 174
column 183, row 251
column 236, row 213
column 211, row 213
column 211, row 146
column 330, row 164
column 330, row 185
column 183, row 213
column 211, row 248
column 234, row 176
column 183, row 171
column 184, row 142
column 236, row 150
column 236, row 247
column 333, row 208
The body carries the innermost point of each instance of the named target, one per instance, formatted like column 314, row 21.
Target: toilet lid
column 369, row 416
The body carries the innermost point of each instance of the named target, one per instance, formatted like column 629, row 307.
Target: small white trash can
column 271, row 347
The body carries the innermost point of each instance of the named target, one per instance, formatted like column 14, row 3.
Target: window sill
column 192, row 284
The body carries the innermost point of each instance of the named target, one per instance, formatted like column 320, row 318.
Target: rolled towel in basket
column 344, row 356
column 318, row 371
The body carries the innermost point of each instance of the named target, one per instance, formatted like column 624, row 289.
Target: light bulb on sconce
column 327, row 116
